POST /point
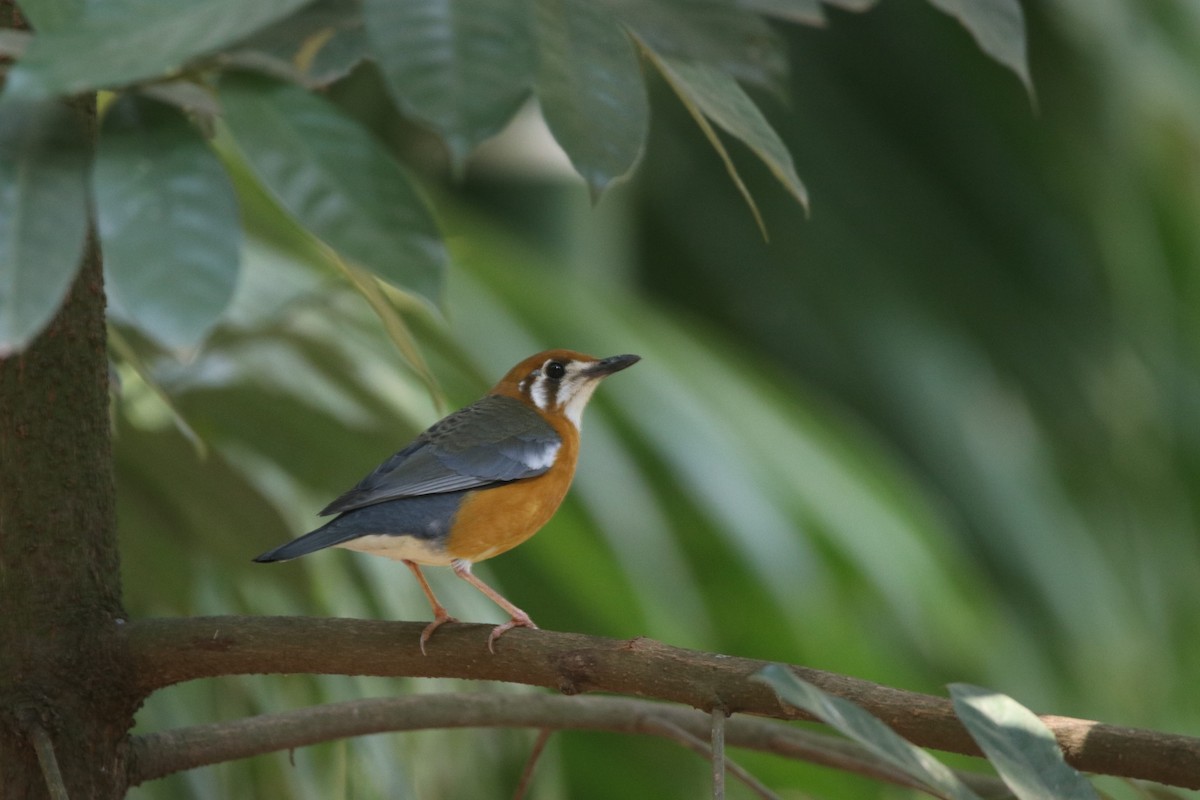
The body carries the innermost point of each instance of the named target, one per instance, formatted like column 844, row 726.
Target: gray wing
column 495, row 440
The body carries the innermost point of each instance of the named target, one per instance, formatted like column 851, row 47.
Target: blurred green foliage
column 944, row 430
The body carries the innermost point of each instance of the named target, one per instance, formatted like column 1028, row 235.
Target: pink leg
column 519, row 618
column 440, row 615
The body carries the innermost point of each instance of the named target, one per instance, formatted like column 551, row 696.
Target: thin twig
column 698, row 745
column 718, row 752
column 536, row 753
column 44, row 747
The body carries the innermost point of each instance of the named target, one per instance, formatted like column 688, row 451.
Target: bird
column 475, row 484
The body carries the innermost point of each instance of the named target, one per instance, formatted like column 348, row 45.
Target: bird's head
column 559, row 383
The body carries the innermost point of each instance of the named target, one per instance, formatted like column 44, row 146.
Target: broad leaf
column 168, row 221
column 317, row 45
column 461, row 66
column 718, row 97
column 999, row 28
column 724, row 33
column 48, row 15
column 1019, row 745
column 336, row 180
column 44, row 152
column 852, row 721
column 116, row 42
column 590, row 87
column 806, row 12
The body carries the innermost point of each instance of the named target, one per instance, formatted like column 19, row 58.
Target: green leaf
column 44, row 152
column 871, row 733
column 316, row 46
column 336, row 180
column 590, row 87
column 117, row 42
column 724, row 33
column 168, row 221
column 48, row 15
column 856, row 6
column 806, row 12
column 708, row 91
column 998, row 27
column 1019, row 745
column 462, row 66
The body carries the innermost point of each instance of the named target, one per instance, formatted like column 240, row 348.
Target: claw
column 433, row 626
column 522, row 621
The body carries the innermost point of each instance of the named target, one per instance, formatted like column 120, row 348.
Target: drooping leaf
column 168, row 220
column 336, row 180
column 117, row 42
column 999, row 28
column 315, row 46
column 590, row 87
column 727, row 34
column 718, row 97
column 852, row 721
column 462, row 66
column 44, row 152
column 806, row 12
column 1019, row 745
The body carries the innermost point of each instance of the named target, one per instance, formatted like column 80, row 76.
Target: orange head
column 559, row 383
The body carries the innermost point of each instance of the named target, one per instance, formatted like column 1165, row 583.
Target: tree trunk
column 64, row 679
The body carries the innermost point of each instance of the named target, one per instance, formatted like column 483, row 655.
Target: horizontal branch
column 156, row 755
column 169, row 651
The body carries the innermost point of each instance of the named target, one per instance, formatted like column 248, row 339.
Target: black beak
column 607, row 366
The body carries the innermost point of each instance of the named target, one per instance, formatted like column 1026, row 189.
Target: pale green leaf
column 806, row 12
column 462, row 66
column 998, row 27
column 336, row 180
column 590, row 87
column 117, row 42
column 168, row 222
column 44, row 152
column 852, row 721
column 1019, row 745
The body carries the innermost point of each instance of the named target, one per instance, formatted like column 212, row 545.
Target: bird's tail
column 327, row 535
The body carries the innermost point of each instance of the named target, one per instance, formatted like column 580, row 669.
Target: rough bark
column 64, row 684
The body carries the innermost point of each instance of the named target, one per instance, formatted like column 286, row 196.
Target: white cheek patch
column 574, row 407
column 538, row 394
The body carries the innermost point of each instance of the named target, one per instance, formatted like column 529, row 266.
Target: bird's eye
column 554, row 370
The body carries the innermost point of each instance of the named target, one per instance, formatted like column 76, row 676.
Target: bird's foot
column 438, row 622
column 521, row 620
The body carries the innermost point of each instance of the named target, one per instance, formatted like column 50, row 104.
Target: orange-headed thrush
column 475, row 484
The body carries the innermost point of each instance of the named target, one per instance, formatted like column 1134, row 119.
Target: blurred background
column 946, row 428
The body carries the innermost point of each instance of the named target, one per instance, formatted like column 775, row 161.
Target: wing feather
column 495, row 440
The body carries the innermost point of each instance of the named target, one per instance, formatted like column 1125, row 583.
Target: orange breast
column 491, row 521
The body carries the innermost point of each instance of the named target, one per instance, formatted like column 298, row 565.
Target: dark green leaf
column 336, row 180
column 462, row 66
column 317, row 45
column 590, row 87
column 852, row 721
column 116, row 42
column 719, row 98
column 44, row 152
column 1019, row 745
column 999, row 28
column 851, row 5
column 168, row 221
column 724, row 33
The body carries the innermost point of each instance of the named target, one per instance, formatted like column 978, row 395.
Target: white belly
column 400, row 548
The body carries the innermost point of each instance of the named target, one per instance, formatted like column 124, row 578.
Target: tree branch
column 168, row 651
column 157, row 755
